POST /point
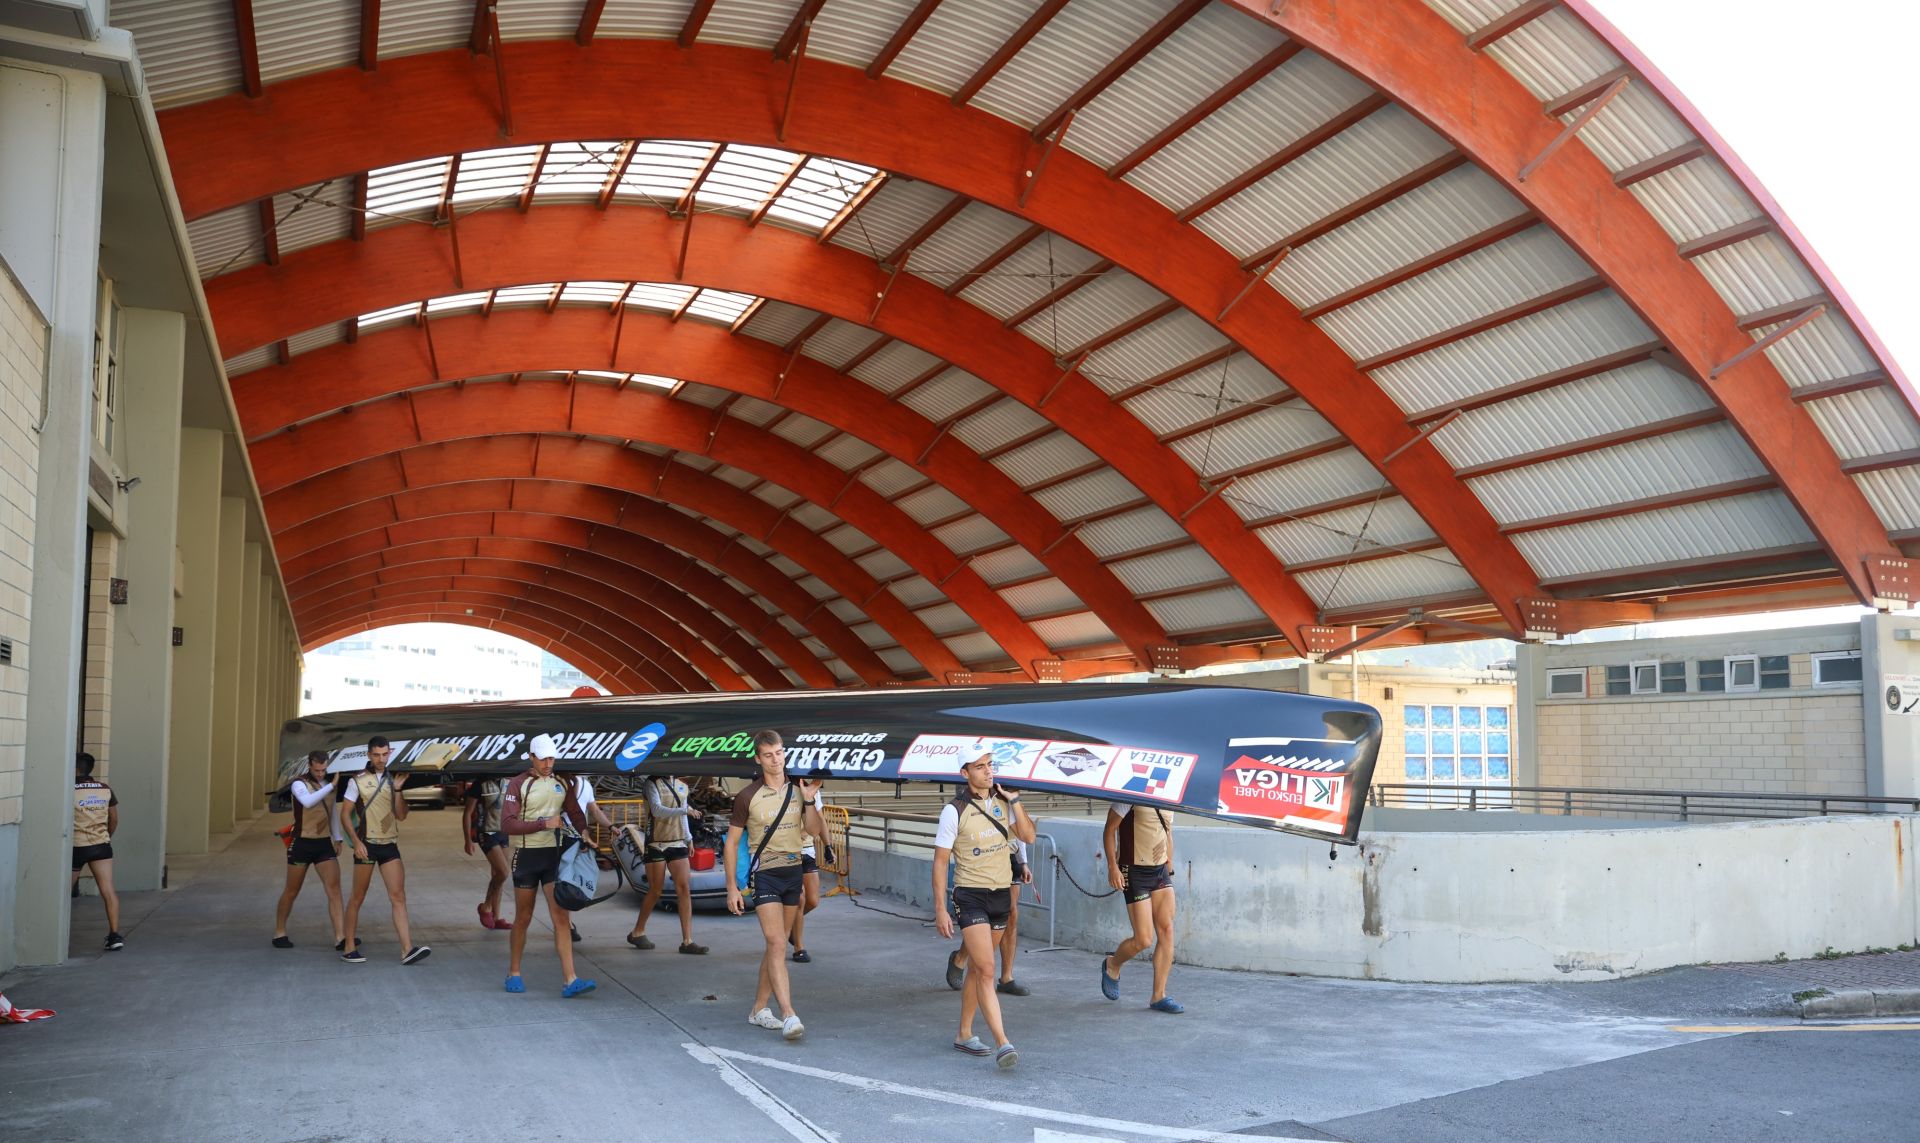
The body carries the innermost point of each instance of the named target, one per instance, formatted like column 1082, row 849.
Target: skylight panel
column 659, row 296
column 453, row 303
column 577, row 170
column 720, row 305
column 592, row 293
column 821, row 190
column 663, row 170
column 532, row 294
column 498, row 175
column 390, row 315
column 406, row 188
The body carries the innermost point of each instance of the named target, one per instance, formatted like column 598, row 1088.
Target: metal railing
column 1600, row 801
column 894, row 830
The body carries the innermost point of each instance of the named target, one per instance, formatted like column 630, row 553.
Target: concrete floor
column 199, row 1030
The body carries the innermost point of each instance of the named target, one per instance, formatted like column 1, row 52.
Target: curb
column 1862, row 1002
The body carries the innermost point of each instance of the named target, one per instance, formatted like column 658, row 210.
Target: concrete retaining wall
column 1465, row 907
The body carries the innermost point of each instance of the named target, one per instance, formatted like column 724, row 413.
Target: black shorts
column 379, row 852
column 776, row 886
column 492, row 841
column 1142, row 880
column 982, row 907
column 85, row 853
column 673, row 851
column 535, row 866
column 310, row 851
column 808, row 864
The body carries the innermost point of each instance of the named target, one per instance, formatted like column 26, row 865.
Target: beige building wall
column 23, row 365
column 95, row 725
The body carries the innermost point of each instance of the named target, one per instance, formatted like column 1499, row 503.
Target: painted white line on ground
column 792, row 1122
column 1001, row 1107
column 1743, row 1029
column 1048, row 1135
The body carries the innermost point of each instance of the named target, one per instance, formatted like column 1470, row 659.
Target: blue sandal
column 515, row 984
column 576, row 988
column 1168, row 1004
column 1109, row 985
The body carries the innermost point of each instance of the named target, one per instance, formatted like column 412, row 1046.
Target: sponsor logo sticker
column 841, row 752
column 640, row 745
column 738, row 745
column 1074, row 763
column 1299, row 781
column 1158, row 774
column 942, row 754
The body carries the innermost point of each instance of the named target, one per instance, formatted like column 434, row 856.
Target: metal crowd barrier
column 895, row 829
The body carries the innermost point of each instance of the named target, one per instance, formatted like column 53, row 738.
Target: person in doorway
column 482, row 828
column 809, row 885
column 1009, row 946
column 1139, row 849
column 669, row 845
column 314, row 845
column 370, row 816
column 535, row 810
column 96, row 815
column 772, row 817
column 975, row 841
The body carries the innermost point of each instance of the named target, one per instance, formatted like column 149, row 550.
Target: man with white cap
column 533, row 811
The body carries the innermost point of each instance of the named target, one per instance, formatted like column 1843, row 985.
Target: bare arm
column 347, row 829
column 113, row 819
column 1110, row 842
column 399, row 803
column 942, row 917
column 467, row 818
column 732, row 854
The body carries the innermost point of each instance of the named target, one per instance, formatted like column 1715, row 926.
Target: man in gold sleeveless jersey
column 975, row 840
column 96, row 814
column 1139, row 848
column 314, row 845
column 771, row 820
column 370, row 817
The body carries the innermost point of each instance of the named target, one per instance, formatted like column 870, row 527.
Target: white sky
column 1815, row 99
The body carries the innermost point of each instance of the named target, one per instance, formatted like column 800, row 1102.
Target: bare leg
column 1010, row 940
column 776, row 921
column 522, row 917
column 103, row 877
column 330, row 881
column 562, row 933
column 1163, row 909
column 656, row 882
column 496, row 878
column 362, row 877
column 1141, row 914
column 978, row 943
column 296, row 876
column 809, row 901
column 683, row 896
column 394, row 876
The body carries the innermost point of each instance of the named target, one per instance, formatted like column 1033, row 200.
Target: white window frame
column 1752, row 661
column 1633, row 677
column 1820, row 657
column 1558, row 672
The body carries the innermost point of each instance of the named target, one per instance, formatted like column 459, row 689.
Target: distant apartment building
column 424, row 663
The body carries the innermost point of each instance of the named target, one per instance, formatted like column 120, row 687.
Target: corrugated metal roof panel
column 915, row 591
column 970, row 535
column 296, row 37
column 947, row 394
column 900, row 662
column 753, row 410
column 1223, row 607
column 408, row 27
column 1866, row 423
column 188, row 48
column 1758, row 274
column 963, row 243
column 751, row 23
column 1389, row 522
column 1639, row 394
column 1532, row 346
column 648, row 19
column 838, row 341
column 853, row 34
column 247, row 362
column 1635, row 127
column 1213, row 389
column 1369, row 155
column 846, row 452
column 1686, row 532
column 1076, row 43
column 1040, row 597
column 701, row 395
column 1463, row 202
column 333, row 333
column 1130, row 532
column 1169, row 343
column 1047, row 457
column 780, row 497
column 974, row 648
column 1254, row 438
column 1070, row 631
column 1302, row 484
column 1423, row 575
column 226, row 241
column 1029, row 274
column 1553, row 55
column 931, row 503
column 1307, row 92
column 946, row 619
column 816, row 518
column 1007, row 565
column 890, row 215
column 890, row 476
column 785, row 565
column 1094, row 492
column 1114, row 298
column 1528, row 265
column 1894, row 494
column 778, row 322
column 538, row 21
column 872, row 634
column 313, row 216
column 880, row 563
column 1821, row 350
column 893, row 365
column 1636, row 470
column 956, row 40
column 1165, row 571
column 1467, row 15
column 998, row 423
column 738, row 477
column 1695, row 199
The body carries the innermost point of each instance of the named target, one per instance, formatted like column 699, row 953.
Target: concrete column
column 266, row 715
column 190, row 733
column 1893, row 736
column 143, row 650
column 231, row 558
column 1529, row 683
column 246, row 713
column 59, row 130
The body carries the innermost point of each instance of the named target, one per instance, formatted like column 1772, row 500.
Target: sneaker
column 640, row 942
column 956, row 970
column 341, row 944
column 1007, row 1056
column 692, row 949
column 972, row 1046
column 1012, row 988
column 1109, row 985
column 801, row 956
column 281, row 942
column 1168, row 1004
column 416, row 954
column 576, row 988
column 765, row 1019
column 575, row 933
column 115, row 942
column 354, row 956
column 792, row 1028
